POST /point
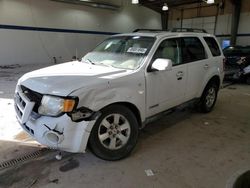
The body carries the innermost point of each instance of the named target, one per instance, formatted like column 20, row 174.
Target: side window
column 192, row 49
column 168, row 49
column 213, row 46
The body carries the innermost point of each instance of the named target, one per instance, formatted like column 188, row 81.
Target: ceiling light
column 210, row 1
column 135, row 1
column 165, row 7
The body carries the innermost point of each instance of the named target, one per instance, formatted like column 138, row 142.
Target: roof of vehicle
column 164, row 34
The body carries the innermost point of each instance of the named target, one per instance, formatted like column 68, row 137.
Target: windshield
column 125, row 52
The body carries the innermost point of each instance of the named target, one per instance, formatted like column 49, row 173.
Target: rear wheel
column 114, row 134
column 209, row 97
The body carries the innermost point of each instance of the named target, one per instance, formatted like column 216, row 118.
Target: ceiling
column 157, row 4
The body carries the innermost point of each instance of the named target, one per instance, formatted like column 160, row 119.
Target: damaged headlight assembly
column 83, row 113
column 55, row 106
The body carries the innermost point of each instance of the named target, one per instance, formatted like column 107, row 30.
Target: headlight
column 54, row 106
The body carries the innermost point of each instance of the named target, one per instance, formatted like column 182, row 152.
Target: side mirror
column 161, row 65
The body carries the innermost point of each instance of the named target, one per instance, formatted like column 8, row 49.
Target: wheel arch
column 215, row 79
column 131, row 107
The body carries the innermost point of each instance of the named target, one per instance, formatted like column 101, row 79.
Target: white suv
column 104, row 99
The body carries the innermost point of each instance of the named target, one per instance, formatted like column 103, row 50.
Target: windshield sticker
column 137, row 50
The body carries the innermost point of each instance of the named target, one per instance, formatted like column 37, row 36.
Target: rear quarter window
column 213, row 46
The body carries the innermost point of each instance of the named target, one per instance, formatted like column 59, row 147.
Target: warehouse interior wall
column 215, row 19
column 20, row 45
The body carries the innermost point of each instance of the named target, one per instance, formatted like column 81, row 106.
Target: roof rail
column 149, row 30
column 189, row 30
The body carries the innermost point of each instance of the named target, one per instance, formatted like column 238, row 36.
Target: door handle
column 206, row 66
column 179, row 74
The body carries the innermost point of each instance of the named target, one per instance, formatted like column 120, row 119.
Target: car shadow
column 163, row 124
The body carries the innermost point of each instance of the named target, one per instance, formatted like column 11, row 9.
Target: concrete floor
column 185, row 149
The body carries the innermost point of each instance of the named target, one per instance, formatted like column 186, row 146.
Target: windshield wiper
column 102, row 64
column 89, row 62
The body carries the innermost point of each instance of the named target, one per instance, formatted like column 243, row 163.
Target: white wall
column 223, row 26
column 206, row 23
column 26, row 47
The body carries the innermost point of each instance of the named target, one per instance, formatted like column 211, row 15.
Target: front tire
column 114, row 134
column 209, row 97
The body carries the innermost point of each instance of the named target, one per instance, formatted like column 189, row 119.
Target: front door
column 166, row 89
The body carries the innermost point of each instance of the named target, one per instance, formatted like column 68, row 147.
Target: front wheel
column 209, row 97
column 114, row 134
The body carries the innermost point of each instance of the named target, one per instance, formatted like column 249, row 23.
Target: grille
column 33, row 96
column 20, row 103
column 31, row 131
column 23, row 105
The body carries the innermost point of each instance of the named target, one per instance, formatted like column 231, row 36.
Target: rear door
column 196, row 58
column 217, row 57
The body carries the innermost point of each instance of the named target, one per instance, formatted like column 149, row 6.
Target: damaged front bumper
column 60, row 133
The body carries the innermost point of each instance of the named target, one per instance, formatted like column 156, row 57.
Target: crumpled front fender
column 125, row 90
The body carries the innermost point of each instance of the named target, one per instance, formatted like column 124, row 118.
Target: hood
column 65, row 78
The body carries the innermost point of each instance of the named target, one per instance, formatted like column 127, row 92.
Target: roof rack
column 149, row 30
column 195, row 30
column 189, row 30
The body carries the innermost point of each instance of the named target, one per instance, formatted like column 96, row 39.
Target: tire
column 209, row 97
column 114, row 134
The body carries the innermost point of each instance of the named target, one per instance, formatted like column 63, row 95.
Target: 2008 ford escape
column 107, row 97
